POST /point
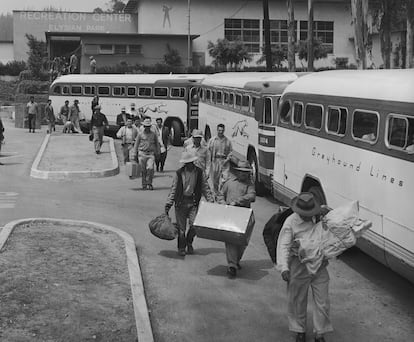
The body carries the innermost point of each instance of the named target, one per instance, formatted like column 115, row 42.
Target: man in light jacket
column 128, row 134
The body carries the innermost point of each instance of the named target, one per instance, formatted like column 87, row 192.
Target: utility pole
column 266, row 27
column 310, row 35
column 189, row 36
column 291, row 36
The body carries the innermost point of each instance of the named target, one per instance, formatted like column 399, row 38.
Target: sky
column 7, row 6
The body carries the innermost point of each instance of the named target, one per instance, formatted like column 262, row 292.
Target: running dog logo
column 153, row 107
column 239, row 128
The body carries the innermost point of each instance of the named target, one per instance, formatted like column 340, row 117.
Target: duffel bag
column 163, row 228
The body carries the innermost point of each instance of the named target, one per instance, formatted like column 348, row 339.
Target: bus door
column 266, row 145
column 192, row 109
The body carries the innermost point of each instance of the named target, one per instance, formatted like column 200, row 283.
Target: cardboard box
column 133, row 170
column 224, row 223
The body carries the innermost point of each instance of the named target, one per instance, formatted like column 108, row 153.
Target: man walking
column 220, row 147
column 237, row 190
column 32, row 110
column 122, row 117
column 146, row 147
column 74, row 116
column 202, row 152
column 50, row 117
column 128, row 134
column 305, row 210
column 98, row 123
column 92, row 65
column 189, row 184
column 163, row 137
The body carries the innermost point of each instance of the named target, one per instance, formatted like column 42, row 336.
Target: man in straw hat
column 237, row 190
column 146, row 147
column 306, row 209
column 189, row 184
column 201, row 151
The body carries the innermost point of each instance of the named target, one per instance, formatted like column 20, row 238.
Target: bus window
column 194, row 96
column 177, row 92
column 397, row 131
column 208, row 95
column 89, row 90
column 238, row 101
column 57, row 89
column 268, row 117
column 219, row 97
column 104, row 90
column 65, row 90
column 285, row 112
column 76, row 90
column 160, row 92
column 226, row 98
column 313, row 116
column 336, row 120
column 201, row 94
column 118, row 91
column 245, row 103
column 231, row 99
column 365, row 125
column 213, row 96
column 253, row 104
column 131, row 91
column 297, row 113
column 144, row 92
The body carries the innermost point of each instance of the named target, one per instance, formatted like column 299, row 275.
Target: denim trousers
column 187, row 210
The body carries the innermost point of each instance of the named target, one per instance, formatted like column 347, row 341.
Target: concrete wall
column 6, row 52
column 39, row 22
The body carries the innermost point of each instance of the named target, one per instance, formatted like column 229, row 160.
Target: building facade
column 141, row 34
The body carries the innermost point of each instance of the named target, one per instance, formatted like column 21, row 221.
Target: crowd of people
column 61, row 65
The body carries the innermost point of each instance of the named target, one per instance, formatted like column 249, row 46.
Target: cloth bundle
column 162, row 227
column 331, row 236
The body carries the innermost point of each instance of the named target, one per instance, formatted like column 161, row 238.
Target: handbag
column 163, row 228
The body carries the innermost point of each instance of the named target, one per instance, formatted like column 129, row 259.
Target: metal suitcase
column 224, row 223
column 132, row 170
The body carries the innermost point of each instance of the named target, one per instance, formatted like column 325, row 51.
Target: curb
column 142, row 321
column 58, row 175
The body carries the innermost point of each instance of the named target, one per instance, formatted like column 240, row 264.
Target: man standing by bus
column 128, row 134
column 163, row 137
column 32, row 111
column 220, row 148
column 305, row 210
column 146, row 147
column 74, row 116
column 202, row 152
column 98, row 123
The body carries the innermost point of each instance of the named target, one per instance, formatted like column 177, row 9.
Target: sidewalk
column 72, row 156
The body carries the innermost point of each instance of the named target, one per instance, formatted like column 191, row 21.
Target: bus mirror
column 258, row 109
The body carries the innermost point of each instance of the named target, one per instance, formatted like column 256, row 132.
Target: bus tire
column 176, row 133
column 318, row 194
column 259, row 186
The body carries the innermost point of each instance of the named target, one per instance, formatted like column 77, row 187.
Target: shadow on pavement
column 251, row 270
column 170, row 254
column 206, row 251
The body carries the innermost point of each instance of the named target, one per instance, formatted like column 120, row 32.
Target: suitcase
column 133, row 170
column 224, row 223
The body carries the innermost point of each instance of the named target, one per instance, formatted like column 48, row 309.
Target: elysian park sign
column 79, row 22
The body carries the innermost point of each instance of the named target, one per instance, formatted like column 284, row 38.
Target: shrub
column 33, row 87
column 12, row 68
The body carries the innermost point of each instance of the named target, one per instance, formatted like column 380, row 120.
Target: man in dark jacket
column 163, row 138
column 121, row 118
column 189, row 184
column 98, row 124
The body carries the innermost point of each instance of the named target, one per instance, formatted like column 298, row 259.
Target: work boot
column 231, row 272
column 181, row 252
column 190, row 249
column 300, row 337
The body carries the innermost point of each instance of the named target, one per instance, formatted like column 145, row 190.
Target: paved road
column 191, row 299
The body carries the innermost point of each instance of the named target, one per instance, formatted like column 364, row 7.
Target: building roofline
column 65, row 33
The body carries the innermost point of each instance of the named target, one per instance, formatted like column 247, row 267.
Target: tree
column 291, row 36
column 310, row 57
column 278, row 56
column 319, row 51
column 37, row 55
column 410, row 34
column 115, row 6
column 172, row 57
column 98, row 10
column 266, row 27
column 362, row 39
column 226, row 53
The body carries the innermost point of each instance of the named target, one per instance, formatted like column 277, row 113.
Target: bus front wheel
column 318, row 194
column 259, row 186
column 176, row 133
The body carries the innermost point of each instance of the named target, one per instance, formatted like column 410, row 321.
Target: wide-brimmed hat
column 123, row 108
column 197, row 133
column 188, row 157
column 243, row 166
column 90, row 57
column 305, row 204
column 146, row 123
column 132, row 104
column 97, row 107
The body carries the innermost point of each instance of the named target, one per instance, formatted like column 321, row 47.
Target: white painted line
column 142, row 320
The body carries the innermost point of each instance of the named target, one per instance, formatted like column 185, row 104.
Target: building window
column 135, row 49
column 324, row 30
column 245, row 30
column 106, row 49
column 120, row 49
column 279, row 33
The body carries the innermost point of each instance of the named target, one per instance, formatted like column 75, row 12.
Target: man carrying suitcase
column 237, row 190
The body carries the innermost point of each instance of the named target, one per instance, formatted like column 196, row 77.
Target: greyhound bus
column 171, row 97
column 349, row 135
column 230, row 98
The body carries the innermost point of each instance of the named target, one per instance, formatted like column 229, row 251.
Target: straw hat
column 97, row 107
column 305, row 204
column 197, row 133
column 188, row 157
column 243, row 166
